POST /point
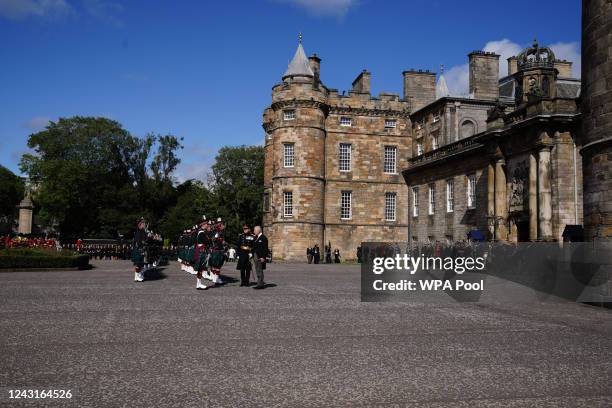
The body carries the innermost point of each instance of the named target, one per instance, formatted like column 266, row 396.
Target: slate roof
column 299, row 65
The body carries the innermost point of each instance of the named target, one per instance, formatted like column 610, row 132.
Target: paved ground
column 306, row 342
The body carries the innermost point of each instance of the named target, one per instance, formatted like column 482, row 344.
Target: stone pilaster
column 533, row 197
column 491, row 199
column 501, row 201
column 544, row 194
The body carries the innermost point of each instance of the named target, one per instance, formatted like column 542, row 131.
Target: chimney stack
column 512, row 65
column 315, row 65
column 484, row 75
column 419, row 88
column 361, row 84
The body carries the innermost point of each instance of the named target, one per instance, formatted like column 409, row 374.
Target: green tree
column 237, row 186
column 92, row 176
column 11, row 193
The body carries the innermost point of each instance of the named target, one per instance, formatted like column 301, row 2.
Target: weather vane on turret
column 441, row 69
column 300, row 38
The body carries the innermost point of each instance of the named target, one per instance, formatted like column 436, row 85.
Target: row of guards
column 201, row 251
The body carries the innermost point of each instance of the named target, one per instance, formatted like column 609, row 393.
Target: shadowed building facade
column 597, row 117
column 503, row 160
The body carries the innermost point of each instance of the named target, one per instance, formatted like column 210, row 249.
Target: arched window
column 468, row 128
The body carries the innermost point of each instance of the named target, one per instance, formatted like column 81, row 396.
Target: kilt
column 217, row 258
column 138, row 257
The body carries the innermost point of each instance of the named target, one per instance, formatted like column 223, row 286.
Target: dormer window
column 436, row 117
column 390, row 123
column 289, row 114
column 346, row 121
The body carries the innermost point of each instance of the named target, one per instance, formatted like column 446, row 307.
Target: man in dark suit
column 260, row 252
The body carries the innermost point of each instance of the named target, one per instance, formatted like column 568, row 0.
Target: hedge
column 41, row 258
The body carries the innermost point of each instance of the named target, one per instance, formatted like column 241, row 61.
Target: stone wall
column 597, row 117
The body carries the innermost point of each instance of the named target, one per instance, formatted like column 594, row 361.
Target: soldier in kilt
column 138, row 248
column 217, row 253
column 202, row 247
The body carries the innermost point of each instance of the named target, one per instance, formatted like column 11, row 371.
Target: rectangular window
column 346, row 121
column 390, row 206
column 450, row 196
column 415, row 201
column 289, row 155
column 390, row 159
column 345, row 157
column 288, row 204
column 419, row 149
column 435, row 141
column 390, row 123
column 345, row 205
column 432, row 199
column 289, row 114
column 471, row 191
column 266, row 202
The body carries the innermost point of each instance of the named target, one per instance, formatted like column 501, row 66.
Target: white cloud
column 571, row 52
column 196, row 162
column 108, row 11
column 337, row 8
column 19, row 9
column 457, row 80
column 506, row 49
column 458, row 77
column 37, row 123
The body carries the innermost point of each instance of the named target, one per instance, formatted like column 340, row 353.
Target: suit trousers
column 259, row 271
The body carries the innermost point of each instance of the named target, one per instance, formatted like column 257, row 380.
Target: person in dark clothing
column 138, row 245
column 337, row 256
column 309, row 255
column 316, row 254
column 260, row 252
column 328, row 254
column 245, row 247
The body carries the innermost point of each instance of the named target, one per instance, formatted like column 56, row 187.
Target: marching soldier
column 245, row 246
column 202, row 250
column 138, row 245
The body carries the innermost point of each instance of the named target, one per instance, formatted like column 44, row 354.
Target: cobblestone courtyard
column 308, row 341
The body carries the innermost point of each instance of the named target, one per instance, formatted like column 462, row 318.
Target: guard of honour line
column 201, row 252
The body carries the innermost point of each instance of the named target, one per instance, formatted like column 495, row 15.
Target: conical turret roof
column 441, row 88
column 299, row 65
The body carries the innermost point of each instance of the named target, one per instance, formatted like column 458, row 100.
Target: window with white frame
column 390, row 165
column 345, row 205
column 390, row 206
column 415, row 201
column 435, row 141
column 288, row 155
column 289, row 114
column 450, row 195
column 288, row 204
column 432, row 199
column 345, row 157
column 390, row 123
column 419, row 149
column 436, row 117
column 346, row 121
column 471, row 191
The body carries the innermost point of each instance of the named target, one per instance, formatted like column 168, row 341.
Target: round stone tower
column 596, row 111
column 294, row 181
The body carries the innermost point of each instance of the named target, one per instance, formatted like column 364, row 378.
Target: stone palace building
column 504, row 162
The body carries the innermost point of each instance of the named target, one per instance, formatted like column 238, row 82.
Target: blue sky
column 203, row 70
